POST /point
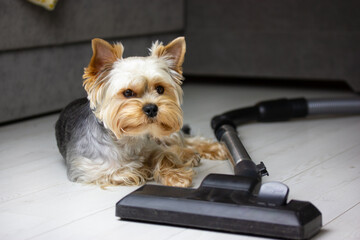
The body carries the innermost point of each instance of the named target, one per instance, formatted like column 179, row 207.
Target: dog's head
column 136, row 95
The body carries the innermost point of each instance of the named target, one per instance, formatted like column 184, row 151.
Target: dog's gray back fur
column 85, row 143
column 79, row 133
column 72, row 122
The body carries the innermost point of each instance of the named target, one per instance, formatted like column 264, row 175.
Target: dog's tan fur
column 141, row 148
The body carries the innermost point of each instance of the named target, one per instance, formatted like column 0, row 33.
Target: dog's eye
column 160, row 89
column 129, row 93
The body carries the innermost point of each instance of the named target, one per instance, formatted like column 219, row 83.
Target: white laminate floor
column 319, row 159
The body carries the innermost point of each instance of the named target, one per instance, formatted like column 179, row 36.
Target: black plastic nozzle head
column 230, row 209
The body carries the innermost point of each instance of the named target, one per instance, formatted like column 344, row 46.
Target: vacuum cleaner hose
column 285, row 109
column 343, row 106
column 224, row 125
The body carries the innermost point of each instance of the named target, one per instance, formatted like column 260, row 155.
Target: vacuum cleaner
column 239, row 203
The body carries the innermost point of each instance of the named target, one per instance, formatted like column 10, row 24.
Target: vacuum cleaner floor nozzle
column 221, row 209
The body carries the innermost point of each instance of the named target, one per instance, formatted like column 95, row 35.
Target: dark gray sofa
column 42, row 54
column 283, row 39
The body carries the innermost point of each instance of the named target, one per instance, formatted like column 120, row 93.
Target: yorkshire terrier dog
column 128, row 130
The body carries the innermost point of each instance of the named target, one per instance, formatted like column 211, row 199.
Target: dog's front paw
column 207, row 149
column 215, row 151
column 193, row 159
column 177, row 177
column 196, row 160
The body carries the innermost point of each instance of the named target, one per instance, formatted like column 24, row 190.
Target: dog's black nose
column 150, row 110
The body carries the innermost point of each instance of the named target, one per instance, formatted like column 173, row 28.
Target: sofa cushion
column 25, row 25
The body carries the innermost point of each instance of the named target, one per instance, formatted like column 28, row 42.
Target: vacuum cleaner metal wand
column 236, row 148
column 237, row 203
column 239, row 157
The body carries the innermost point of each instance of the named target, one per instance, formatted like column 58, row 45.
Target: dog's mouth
column 151, row 126
column 166, row 127
column 151, row 121
column 158, row 126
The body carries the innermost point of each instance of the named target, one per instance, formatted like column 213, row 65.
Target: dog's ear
column 175, row 50
column 103, row 54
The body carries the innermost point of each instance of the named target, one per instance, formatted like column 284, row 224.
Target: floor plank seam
column 178, row 233
column 279, row 140
column 68, row 223
column 341, row 214
column 324, row 161
column 30, row 193
column 51, row 161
